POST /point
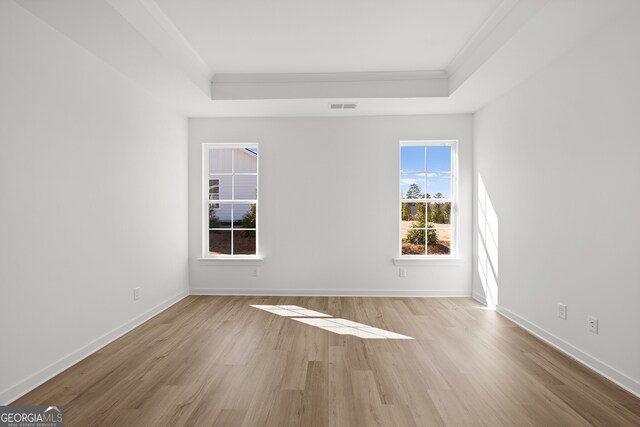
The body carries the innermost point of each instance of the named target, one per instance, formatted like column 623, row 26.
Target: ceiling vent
column 343, row 106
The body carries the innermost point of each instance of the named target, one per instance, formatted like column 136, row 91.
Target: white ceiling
column 302, row 36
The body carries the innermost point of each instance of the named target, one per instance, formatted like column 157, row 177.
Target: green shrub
column 406, row 211
column 417, row 235
column 432, row 237
column 440, row 213
column 249, row 221
column 214, row 222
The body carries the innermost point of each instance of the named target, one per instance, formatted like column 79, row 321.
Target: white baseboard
column 23, row 387
column 330, row 292
column 478, row 297
column 624, row 381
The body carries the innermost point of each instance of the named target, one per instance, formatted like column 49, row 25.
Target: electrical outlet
column 562, row 311
column 592, row 324
column 136, row 294
column 254, row 272
column 402, row 272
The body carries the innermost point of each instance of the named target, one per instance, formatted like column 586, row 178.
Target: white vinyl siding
column 234, row 186
column 244, row 189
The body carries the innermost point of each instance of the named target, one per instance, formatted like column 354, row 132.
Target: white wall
column 329, row 211
column 559, row 157
column 93, row 202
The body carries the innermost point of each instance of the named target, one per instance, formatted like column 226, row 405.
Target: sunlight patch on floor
column 347, row 327
column 331, row 324
column 290, row 311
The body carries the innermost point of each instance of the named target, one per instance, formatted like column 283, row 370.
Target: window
column 428, row 199
column 230, row 200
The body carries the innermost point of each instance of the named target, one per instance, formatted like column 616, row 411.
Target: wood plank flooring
column 216, row 361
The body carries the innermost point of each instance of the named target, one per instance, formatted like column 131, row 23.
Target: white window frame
column 205, row 197
column 453, row 255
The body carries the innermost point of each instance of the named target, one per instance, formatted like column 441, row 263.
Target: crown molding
column 146, row 17
column 508, row 17
column 329, row 77
column 505, row 21
column 409, row 84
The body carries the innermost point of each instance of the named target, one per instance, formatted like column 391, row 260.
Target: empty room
column 328, row 213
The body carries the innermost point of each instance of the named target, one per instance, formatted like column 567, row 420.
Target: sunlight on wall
column 487, row 245
column 329, row 323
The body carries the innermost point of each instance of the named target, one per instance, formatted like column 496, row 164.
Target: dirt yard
column 412, row 249
column 220, row 243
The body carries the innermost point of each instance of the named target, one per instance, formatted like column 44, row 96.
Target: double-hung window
column 428, row 199
column 230, row 207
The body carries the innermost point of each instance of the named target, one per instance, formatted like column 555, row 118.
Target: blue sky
column 437, row 178
column 413, row 159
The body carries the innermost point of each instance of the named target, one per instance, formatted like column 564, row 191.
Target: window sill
column 226, row 261
column 418, row 261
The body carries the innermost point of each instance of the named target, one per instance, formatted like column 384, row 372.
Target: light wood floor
column 218, row 361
